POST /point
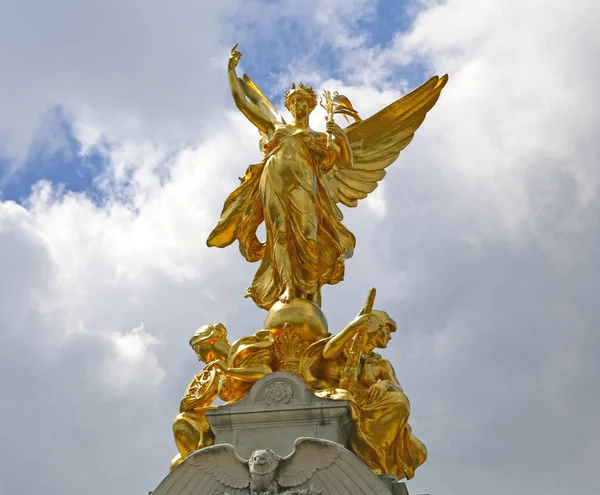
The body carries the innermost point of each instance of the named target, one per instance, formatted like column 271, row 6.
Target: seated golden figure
column 344, row 367
column 229, row 373
column 296, row 191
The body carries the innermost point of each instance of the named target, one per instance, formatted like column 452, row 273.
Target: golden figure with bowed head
column 295, row 189
column 381, row 437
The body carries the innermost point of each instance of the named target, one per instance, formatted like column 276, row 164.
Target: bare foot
column 287, row 296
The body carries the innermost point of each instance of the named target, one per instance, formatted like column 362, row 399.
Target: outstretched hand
column 217, row 365
column 234, row 58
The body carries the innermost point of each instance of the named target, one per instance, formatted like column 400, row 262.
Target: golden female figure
column 304, row 173
column 381, row 437
column 306, row 244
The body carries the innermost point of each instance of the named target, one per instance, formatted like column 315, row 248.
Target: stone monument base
column 280, row 439
column 279, row 409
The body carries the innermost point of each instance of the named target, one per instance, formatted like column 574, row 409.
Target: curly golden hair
column 208, row 335
column 305, row 92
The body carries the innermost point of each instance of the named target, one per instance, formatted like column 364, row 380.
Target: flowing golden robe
column 306, row 243
column 248, row 352
column 381, row 436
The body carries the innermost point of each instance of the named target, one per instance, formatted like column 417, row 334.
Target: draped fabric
column 381, row 436
column 397, row 451
column 248, row 352
column 306, row 244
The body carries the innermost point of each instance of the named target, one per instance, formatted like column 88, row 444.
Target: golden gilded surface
column 337, row 368
column 295, row 190
column 230, row 372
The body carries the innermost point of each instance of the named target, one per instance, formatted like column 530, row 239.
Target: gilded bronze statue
column 303, row 176
column 230, row 372
column 337, row 368
column 295, row 191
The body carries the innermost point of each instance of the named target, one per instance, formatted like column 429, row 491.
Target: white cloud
column 516, row 118
column 466, row 242
column 132, row 361
column 122, row 70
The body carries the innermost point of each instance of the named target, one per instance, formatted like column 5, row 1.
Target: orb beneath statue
column 295, row 326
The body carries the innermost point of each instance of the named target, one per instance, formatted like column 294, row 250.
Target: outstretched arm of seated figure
column 245, row 374
column 338, row 343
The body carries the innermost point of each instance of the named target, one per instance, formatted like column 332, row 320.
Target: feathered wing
column 216, row 469
column 377, row 141
column 256, row 96
column 327, row 466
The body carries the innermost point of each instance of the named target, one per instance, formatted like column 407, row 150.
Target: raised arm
column 249, row 109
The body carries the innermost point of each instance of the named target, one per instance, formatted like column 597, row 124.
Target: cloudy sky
column 119, row 143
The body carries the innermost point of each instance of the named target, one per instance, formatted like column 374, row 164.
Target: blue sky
column 66, row 165
column 120, row 143
column 57, row 157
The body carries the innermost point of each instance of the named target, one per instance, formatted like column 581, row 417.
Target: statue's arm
column 246, row 374
column 190, row 400
column 336, row 345
column 344, row 151
column 251, row 111
column 389, row 374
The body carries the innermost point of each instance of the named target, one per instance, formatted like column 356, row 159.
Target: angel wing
column 377, row 141
column 256, row 96
column 216, row 469
column 327, row 468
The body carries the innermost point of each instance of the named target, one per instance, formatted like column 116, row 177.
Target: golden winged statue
column 296, row 188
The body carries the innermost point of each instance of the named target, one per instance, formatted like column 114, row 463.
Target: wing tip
column 442, row 81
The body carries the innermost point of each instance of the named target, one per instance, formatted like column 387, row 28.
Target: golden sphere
column 305, row 316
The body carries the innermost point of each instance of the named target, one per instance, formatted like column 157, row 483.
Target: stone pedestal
column 278, row 410
column 279, row 413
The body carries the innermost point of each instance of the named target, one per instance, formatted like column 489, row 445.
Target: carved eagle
column 316, row 467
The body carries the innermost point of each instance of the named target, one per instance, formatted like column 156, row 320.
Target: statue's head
column 382, row 333
column 206, row 338
column 300, row 100
column 263, row 461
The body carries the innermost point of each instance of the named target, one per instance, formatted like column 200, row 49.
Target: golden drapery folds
column 306, row 243
column 342, row 367
column 232, row 370
column 304, row 174
column 296, row 190
column 229, row 373
column 381, row 437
